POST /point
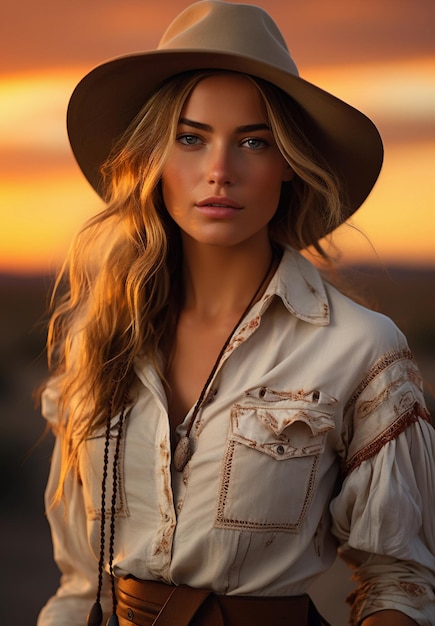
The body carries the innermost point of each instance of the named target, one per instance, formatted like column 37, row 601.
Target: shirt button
column 262, row 392
column 280, row 449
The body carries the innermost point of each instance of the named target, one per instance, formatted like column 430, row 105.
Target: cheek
column 267, row 189
column 177, row 177
column 170, row 182
column 268, row 184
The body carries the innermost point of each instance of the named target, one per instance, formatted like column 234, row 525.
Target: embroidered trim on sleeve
column 377, row 595
column 380, row 365
column 410, row 417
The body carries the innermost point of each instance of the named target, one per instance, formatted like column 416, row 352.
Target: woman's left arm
column 382, row 516
column 388, row 618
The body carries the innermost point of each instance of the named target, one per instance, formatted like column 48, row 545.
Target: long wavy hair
column 118, row 295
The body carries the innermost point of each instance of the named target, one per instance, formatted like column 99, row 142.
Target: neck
column 220, row 282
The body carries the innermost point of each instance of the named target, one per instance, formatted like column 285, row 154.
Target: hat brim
column 108, row 98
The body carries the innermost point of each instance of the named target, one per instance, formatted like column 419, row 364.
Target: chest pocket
column 271, row 463
column 91, row 468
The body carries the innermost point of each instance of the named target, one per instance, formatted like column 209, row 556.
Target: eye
column 254, row 143
column 188, row 140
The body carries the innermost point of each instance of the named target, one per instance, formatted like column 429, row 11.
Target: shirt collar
column 299, row 285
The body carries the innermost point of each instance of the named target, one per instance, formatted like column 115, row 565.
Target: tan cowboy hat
column 213, row 34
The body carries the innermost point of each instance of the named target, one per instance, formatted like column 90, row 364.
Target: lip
column 218, row 202
column 218, row 207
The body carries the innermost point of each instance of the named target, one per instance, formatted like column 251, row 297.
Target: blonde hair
column 311, row 203
column 121, row 298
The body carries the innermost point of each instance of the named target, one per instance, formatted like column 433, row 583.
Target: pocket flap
column 282, row 432
column 278, row 419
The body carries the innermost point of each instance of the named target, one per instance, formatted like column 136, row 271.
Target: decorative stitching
column 413, row 589
column 391, row 433
column 370, row 595
column 221, row 519
column 381, row 365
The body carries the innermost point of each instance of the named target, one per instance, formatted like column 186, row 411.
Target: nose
column 220, row 170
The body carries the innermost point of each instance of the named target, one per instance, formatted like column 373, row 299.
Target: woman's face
column 222, row 181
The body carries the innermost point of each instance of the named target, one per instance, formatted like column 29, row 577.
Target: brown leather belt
column 151, row 603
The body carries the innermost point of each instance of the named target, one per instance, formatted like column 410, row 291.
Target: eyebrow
column 249, row 128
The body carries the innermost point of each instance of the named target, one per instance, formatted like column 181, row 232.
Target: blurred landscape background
column 378, row 56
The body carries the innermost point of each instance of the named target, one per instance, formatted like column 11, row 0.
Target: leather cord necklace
column 183, row 449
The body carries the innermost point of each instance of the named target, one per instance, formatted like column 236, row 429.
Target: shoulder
column 341, row 330
column 49, row 400
column 362, row 324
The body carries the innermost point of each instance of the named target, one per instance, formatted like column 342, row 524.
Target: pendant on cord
column 182, row 454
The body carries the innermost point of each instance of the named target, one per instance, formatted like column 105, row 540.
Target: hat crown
column 235, row 29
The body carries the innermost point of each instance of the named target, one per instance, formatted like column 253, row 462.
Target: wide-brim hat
column 214, row 34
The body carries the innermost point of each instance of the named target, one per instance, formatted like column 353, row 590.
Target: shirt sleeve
column 78, row 565
column 383, row 515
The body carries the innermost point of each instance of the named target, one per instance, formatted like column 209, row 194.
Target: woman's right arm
column 76, row 561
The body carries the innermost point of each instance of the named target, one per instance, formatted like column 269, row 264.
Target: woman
column 224, row 416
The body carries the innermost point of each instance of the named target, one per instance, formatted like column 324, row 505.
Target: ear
column 288, row 173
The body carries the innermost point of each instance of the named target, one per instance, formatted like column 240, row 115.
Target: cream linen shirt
column 314, row 431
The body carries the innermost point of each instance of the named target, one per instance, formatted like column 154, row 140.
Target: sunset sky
column 378, row 55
